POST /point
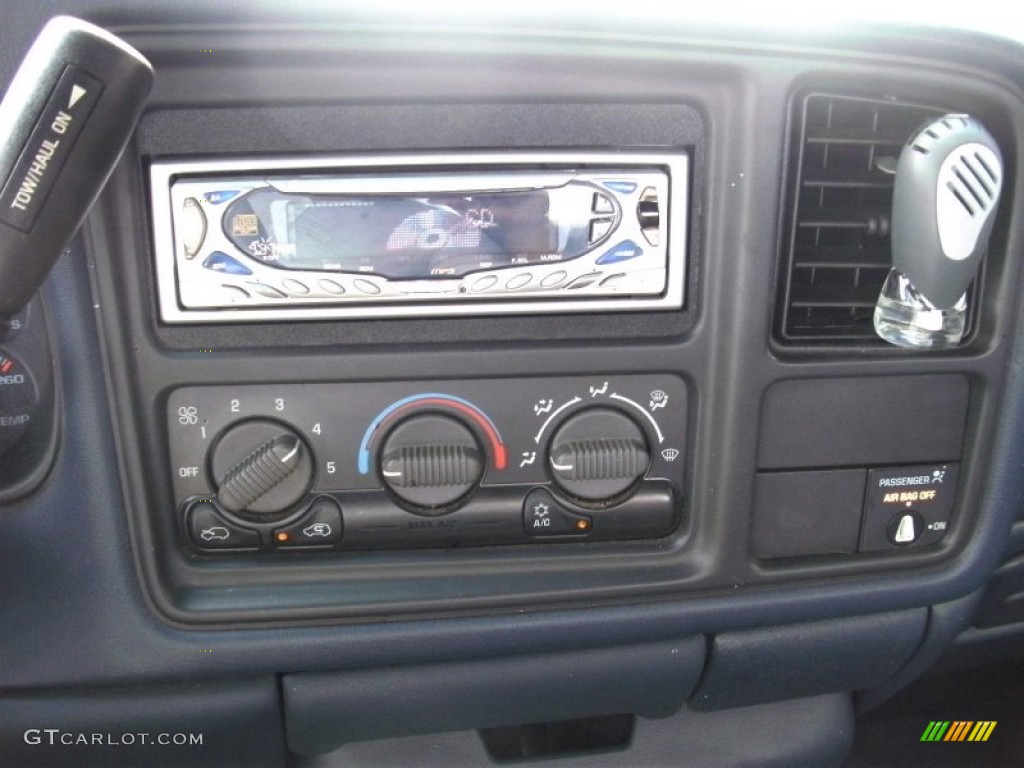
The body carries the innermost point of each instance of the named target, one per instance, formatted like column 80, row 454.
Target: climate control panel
column 387, row 465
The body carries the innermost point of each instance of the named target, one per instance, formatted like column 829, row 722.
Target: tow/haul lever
column 64, row 123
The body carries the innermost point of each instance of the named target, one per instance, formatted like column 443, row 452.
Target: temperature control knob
column 431, row 461
column 261, row 469
column 598, row 454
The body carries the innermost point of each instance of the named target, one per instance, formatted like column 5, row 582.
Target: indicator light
column 583, row 525
column 282, row 537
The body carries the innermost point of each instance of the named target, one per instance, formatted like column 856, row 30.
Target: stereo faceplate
column 429, row 235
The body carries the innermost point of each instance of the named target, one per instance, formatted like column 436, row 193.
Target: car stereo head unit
column 401, row 236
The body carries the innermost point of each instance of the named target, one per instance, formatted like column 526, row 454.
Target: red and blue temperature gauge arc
column 400, row 407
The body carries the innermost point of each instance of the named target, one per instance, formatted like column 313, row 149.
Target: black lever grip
column 64, row 123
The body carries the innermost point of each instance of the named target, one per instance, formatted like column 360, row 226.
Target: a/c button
column 544, row 516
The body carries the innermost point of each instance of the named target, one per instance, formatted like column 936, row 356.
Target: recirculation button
column 321, row 526
column 208, row 529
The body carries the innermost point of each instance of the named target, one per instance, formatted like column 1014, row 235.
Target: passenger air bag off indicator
column 908, row 506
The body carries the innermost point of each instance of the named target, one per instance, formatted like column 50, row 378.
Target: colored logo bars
column 958, row 730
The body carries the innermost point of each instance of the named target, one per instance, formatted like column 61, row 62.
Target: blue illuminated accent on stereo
column 622, row 187
column 220, row 196
column 221, row 262
column 624, row 251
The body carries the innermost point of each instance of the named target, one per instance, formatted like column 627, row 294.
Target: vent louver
column 837, row 251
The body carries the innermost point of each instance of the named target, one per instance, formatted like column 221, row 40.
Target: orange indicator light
column 582, row 524
column 282, row 536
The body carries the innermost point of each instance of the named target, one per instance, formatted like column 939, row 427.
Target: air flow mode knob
column 262, row 468
column 431, row 462
column 598, row 454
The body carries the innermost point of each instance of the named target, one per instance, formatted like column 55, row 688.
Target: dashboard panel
column 639, row 510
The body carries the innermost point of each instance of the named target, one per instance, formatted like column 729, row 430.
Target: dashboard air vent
column 837, row 251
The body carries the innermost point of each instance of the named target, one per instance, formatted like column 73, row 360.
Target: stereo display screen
column 403, row 236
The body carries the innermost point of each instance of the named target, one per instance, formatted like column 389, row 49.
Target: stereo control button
column 648, row 210
column 371, row 289
column 208, row 529
column 599, row 229
column 295, row 286
column 544, row 516
column 218, row 261
column 236, row 292
column 555, row 278
column 221, row 196
column 603, row 204
column 624, row 251
column 267, row 290
column 519, row 281
column 614, row 281
column 193, row 227
column 319, row 527
column 484, row 283
column 331, row 287
column 648, row 213
column 622, row 187
column 584, row 281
